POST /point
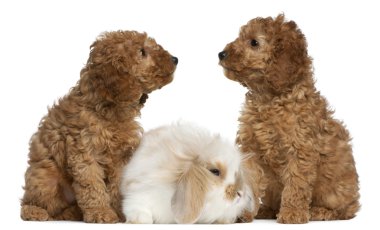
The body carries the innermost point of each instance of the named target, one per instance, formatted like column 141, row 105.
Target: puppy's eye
column 142, row 51
column 216, row 172
column 254, row 43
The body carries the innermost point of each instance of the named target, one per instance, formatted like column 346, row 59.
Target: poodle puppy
column 77, row 155
column 305, row 153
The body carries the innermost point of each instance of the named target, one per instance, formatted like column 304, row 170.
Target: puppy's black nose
column 175, row 60
column 222, row 55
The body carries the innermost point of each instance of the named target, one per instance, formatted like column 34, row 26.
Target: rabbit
column 181, row 173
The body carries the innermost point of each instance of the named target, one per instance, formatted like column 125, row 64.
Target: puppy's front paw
column 293, row 216
column 100, row 215
column 139, row 217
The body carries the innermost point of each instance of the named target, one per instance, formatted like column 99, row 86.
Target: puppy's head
column 122, row 62
column 269, row 54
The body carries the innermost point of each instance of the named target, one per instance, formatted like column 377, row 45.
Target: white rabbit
column 183, row 174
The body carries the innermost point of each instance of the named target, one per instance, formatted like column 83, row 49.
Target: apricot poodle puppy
column 77, row 154
column 305, row 153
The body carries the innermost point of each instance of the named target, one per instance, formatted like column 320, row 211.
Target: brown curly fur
column 81, row 145
column 305, row 153
column 257, row 181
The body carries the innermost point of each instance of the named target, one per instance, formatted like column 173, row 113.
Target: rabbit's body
column 183, row 174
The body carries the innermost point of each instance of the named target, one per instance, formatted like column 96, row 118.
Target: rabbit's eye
column 216, row 172
column 142, row 52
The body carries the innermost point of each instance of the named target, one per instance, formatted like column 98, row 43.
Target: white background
column 44, row 44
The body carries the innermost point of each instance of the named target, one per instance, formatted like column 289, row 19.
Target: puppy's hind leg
column 34, row 213
column 42, row 198
column 350, row 211
column 323, row 213
column 336, row 193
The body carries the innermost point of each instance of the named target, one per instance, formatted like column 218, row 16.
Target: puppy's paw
column 293, row 216
column 100, row 215
column 71, row 213
column 139, row 217
column 34, row 213
column 321, row 213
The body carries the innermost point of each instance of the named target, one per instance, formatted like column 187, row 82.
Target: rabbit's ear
column 189, row 197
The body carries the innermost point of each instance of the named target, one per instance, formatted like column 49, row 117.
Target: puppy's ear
column 100, row 78
column 100, row 51
column 189, row 197
column 289, row 61
column 109, row 53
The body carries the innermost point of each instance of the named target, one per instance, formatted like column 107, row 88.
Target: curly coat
column 77, row 154
column 305, row 153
